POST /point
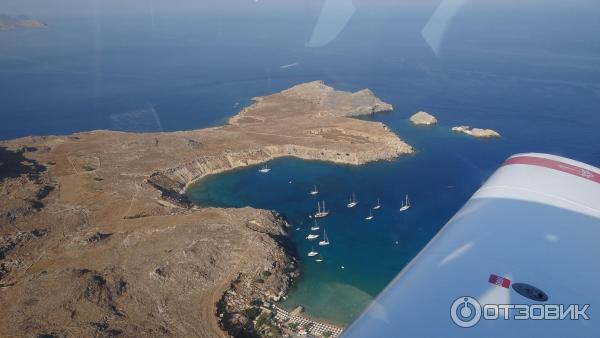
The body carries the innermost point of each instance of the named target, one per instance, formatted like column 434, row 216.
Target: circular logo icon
column 465, row 311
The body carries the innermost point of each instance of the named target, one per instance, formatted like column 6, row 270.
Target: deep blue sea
column 530, row 72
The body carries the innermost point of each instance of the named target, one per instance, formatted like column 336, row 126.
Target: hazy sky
column 78, row 8
column 44, row 8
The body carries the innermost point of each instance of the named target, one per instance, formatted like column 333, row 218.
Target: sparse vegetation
column 264, row 318
column 271, row 331
column 327, row 334
column 139, row 215
column 175, row 251
column 88, row 167
column 251, row 312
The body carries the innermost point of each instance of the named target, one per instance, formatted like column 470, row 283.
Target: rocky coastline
column 476, row 132
column 423, row 118
column 97, row 237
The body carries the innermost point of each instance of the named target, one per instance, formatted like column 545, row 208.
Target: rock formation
column 423, row 118
column 476, row 132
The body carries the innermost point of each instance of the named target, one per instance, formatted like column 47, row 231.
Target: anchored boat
column 377, row 206
column 312, row 236
column 405, row 204
column 315, row 227
column 265, row 169
column 352, row 202
column 325, row 240
column 321, row 212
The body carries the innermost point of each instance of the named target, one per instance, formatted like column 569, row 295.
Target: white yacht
column 321, row 211
column 265, row 169
column 312, row 253
column 319, row 259
column 314, row 191
column 312, row 236
column 352, row 203
column 325, row 240
column 370, row 217
column 405, row 204
column 377, row 206
column 315, row 227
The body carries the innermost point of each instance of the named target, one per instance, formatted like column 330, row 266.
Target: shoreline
column 196, row 180
column 94, row 197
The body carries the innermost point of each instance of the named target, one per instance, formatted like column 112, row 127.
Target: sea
column 529, row 70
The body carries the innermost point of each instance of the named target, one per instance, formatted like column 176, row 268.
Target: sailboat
column 352, row 202
column 265, row 169
column 325, row 240
column 405, row 204
column 370, row 217
column 319, row 259
column 315, row 227
column 321, row 212
column 312, row 236
column 377, row 206
column 312, row 252
column 314, row 191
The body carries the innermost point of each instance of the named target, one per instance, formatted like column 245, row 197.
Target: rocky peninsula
column 476, row 132
column 8, row 22
column 423, row 118
column 98, row 239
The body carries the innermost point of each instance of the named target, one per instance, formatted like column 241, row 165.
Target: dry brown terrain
column 423, row 118
column 97, row 239
column 476, row 132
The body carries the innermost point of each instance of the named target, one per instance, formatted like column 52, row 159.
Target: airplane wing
column 523, row 252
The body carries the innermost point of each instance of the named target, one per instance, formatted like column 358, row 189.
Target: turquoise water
column 371, row 252
column 530, row 71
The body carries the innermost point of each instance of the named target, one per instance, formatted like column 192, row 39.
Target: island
column 476, row 132
column 423, row 118
column 97, row 236
column 8, row 22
